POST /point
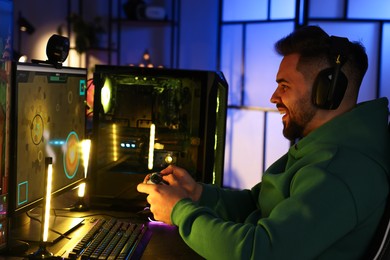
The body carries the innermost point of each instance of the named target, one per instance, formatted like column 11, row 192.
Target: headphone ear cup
column 329, row 89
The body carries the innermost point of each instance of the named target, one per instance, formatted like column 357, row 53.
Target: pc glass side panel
column 48, row 120
column 215, row 129
column 145, row 119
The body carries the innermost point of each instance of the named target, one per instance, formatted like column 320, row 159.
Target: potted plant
column 88, row 34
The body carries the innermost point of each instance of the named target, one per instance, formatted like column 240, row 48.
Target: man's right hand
column 180, row 177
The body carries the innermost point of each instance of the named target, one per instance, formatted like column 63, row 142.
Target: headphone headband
column 339, row 49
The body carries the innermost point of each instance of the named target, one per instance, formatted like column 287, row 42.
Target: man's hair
column 314, row 47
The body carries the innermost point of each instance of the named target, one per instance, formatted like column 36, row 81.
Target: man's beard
column 300, row 114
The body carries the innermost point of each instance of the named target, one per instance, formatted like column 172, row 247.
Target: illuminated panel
column 262, row 65
column 46, row 218
column 373, row 9
column 231, row 60
column 244, row 135
column 114, row 143
column 385, row 66
column 106, row 95
column 234, row 10
column 282, row 9
column 151, row 145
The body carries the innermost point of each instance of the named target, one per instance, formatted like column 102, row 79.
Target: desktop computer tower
column 144, row 119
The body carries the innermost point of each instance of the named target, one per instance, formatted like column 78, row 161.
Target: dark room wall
column 195, row 45
column 199, row 31
column 45, row 16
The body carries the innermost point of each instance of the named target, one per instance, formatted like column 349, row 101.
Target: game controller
column 156, row 178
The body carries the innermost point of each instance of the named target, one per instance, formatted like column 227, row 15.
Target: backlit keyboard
column 109, row 239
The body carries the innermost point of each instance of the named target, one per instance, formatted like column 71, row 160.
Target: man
column 321, row 200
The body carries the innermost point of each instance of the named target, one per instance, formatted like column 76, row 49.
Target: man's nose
column 275, row 97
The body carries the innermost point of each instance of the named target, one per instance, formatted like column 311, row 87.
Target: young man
column 321, row 200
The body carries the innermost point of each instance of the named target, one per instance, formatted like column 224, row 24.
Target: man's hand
column 179, row 177
column 162, row 198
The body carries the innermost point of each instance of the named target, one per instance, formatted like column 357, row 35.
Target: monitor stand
column 29, row 230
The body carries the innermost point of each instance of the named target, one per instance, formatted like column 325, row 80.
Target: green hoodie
column 321, row 200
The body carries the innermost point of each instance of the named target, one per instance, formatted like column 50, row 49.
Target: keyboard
column 109, row 239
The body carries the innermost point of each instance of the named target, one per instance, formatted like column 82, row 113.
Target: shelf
column 120, row 28
column 123, row 24
column 143, row 22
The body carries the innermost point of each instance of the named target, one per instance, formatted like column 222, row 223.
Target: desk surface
column 165, row 241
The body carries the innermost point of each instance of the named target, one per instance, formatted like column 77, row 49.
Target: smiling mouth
column 284, row 117
column 282, row 112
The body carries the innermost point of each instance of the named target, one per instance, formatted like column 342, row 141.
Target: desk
column 165, row 241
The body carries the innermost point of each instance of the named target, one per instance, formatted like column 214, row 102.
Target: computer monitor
column 147, row 118
column 47, row 112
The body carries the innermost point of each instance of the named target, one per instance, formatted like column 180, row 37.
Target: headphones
column 330, row 84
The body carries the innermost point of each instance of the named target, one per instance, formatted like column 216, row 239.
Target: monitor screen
column 145, row 119
column 48, row 120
